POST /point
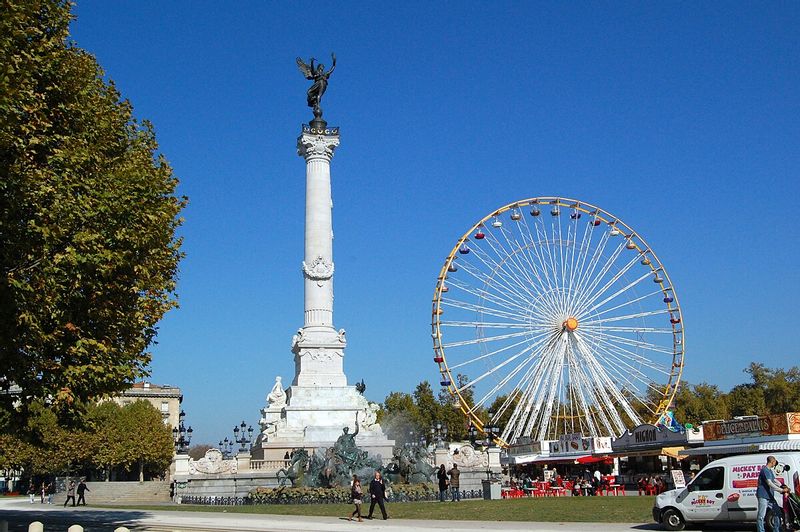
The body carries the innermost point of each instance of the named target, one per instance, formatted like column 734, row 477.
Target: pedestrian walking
column 377, row 491
column 355, row 496
column 51, row 490
column 43, row 492
column 765, row 496
column 441, row 475
column 455, row 484
column 82, row 489
column 32, row 491
column 70, row 493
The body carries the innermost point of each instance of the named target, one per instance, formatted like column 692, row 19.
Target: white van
column 725, row 490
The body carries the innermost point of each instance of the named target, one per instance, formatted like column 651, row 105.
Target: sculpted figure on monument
column 320, row 78
column 277, row 397
column 369, row 421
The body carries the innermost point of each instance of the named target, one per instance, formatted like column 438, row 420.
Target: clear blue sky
column 682, row 119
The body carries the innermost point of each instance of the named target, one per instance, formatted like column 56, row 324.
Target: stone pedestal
column 181, row 462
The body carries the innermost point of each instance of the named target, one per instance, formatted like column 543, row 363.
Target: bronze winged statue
column 320, row 77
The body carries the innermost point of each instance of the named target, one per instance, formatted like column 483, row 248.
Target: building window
column 164, row 406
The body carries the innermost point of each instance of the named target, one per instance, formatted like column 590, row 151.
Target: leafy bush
column 287, row 495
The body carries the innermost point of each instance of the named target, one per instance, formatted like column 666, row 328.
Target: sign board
column 678, row 479
column 774, row 425
column 647, row 436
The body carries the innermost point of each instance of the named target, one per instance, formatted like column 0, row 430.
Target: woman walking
column 442, row 476
column 70, row 493
column 355, row 495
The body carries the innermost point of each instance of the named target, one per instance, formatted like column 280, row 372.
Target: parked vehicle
column 725, row 490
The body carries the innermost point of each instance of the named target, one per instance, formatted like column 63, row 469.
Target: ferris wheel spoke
column 634, row 316
column 494, row 369
column 501, row 384
column 631, row 360
column 531, row 248
column 509, row 281
column 481, row 309
column 528, row 386
column 514, row 270
column 601, row 385
column 621, row 367
column 543, row 382
column 590, row 270
column 606, row 388
column 483, row 325
column 526, row 259
column 495, row 292
column 577, row 255
column 485, row 294
column 593, row 295
column 497, row 280
column 593, row 309
column 640, row 330
column 497, row 351
column 591, row 283
column 486, row 339
column 617, row 343
column 626, row 288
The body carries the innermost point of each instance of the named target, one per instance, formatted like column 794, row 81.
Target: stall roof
column 547, row 459
column 785, row 445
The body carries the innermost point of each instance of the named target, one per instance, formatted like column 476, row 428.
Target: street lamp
column 225, row 448
column 491, row 433
column 246, row 440
column 472, row 431
column 181, row 436
column 439, row 434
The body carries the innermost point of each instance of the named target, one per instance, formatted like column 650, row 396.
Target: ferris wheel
column 559, row 318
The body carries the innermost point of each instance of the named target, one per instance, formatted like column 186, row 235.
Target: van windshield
column 710, row 479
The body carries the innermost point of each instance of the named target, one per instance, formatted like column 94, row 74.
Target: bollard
column 36, row 526
column 121, row 529
column 75, row 528
column 3, row 526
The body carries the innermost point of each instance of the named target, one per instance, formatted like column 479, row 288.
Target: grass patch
column 542, row 509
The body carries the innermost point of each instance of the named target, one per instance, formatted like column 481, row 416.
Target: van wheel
column 672, row 519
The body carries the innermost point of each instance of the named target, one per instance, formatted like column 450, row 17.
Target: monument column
column 318, row 347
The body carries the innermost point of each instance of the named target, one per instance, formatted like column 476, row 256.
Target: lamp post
column 472, row 432
column 439, row 435
column 181, row 436
column 246, row 439
column 491, row 432
column 225, row 448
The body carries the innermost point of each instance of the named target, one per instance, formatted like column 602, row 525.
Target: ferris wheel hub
column 571, row 324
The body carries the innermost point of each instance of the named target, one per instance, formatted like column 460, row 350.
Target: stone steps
column 127, row 492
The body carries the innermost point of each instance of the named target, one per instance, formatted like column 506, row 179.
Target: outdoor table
column 614, row 488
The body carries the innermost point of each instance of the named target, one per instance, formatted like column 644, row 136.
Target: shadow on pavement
column 708, row 527
column 92, row 520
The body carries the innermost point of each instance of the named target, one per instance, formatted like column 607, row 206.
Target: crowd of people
column 46, row 490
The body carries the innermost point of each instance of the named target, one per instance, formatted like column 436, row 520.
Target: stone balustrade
column 269, row 465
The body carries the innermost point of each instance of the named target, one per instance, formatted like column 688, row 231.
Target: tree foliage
column 88, row 214
column 132, row 437
column 770, row 391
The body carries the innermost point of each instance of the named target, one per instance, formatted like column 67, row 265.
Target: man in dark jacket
column 82, row 489
column 377, row 491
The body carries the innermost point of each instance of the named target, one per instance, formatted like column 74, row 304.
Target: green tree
column 700, row 402
column 780, row 387
column 147, row 442
column 427, row 409
column 746, row 400
column 88, row 215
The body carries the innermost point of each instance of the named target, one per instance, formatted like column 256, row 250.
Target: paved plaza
column 19, row 513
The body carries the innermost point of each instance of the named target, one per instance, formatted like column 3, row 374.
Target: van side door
column 704, row 499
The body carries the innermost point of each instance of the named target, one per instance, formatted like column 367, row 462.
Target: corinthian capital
column 311, row 146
